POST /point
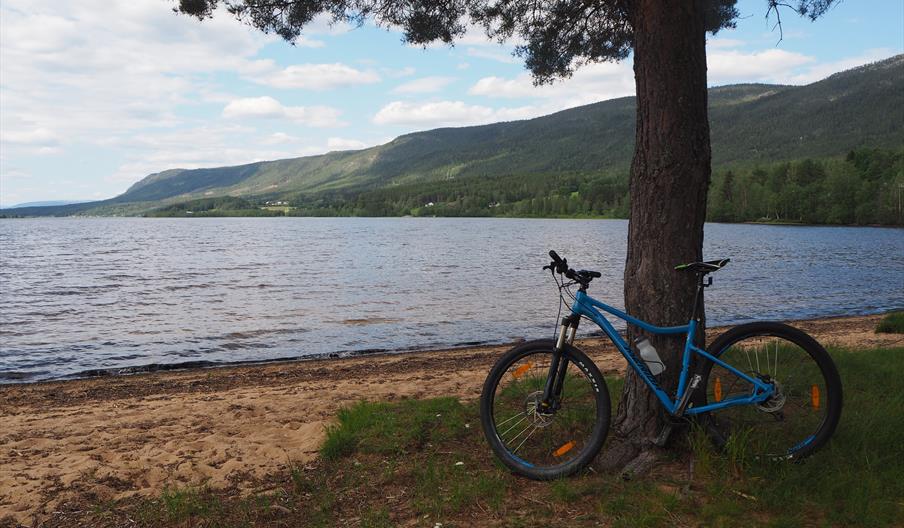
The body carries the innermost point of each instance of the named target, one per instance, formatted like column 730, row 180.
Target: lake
column 82, row 295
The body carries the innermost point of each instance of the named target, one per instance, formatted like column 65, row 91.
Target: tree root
column 627, row 458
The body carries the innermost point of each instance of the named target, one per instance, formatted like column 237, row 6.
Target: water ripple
column 169, row 293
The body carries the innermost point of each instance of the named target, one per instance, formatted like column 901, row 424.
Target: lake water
column 78, row 295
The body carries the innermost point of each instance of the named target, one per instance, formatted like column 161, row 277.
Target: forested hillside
column 575, row 162
column 864, row 187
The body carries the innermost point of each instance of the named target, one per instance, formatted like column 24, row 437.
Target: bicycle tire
column 755, row 333
column 589, row 447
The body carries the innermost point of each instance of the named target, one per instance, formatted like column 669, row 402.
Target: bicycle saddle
column 703, row 267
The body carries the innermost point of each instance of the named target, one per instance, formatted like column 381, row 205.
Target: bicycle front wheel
column 544, row 445
column 802, row 413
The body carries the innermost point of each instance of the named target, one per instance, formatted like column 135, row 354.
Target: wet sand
column 95, row 440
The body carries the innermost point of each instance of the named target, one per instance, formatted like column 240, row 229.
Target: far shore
column 7, row 215
column 99, row 439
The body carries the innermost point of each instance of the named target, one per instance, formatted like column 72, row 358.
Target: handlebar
column 560, row 265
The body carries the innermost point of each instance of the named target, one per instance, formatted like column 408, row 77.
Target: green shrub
column 892, row 323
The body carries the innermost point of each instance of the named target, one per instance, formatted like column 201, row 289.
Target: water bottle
column 649, row 355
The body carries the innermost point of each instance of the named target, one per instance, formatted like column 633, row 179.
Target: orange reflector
column 522, row 369
column 717, row 389
column 814, row 396
column 564, row 449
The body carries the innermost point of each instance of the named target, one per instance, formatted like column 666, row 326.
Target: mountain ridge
column 750, row 123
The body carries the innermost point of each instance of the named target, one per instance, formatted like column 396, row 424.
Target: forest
column 864, row 187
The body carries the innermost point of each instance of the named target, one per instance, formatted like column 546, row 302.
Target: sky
column 95, row 95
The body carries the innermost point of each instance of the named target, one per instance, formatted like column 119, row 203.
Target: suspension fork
column 559, row 364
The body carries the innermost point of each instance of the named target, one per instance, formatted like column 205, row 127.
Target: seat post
column 698, row 295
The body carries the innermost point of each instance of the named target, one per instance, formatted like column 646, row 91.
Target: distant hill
column 49, row 203
column 750, row 123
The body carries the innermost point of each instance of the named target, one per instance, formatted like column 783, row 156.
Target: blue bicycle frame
column 585, row 305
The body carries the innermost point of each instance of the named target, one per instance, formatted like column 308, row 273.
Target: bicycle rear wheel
column 796, row 420
column 538, row 445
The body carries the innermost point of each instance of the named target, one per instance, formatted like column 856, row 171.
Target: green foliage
column 382, row 428
column 220, row 206
column 178, row 505
column 529, row 195
column 866, row 187
column 892, row 323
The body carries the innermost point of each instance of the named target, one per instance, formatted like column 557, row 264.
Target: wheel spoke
column 525, row 439
column 512, row 427
column 500, row 424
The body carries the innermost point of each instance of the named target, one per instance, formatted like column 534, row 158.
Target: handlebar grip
column 554, row 256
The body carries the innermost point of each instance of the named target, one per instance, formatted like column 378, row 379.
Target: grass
column 892, row 323
column 422, row 462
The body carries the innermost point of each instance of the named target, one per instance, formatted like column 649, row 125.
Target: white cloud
column 338, row 143
column 259, row 107
column 780, row 66
column 448, row 113
column 266, row 107
column 396, row 73
column 821, row 71
column 67, row 68
column 768, row 65
column 279, row 138
column 423, row 85
column 317, row 77
column 520, row 86
column 37, row 137
column 591, row 83
column 323, row 24
column 441, row 113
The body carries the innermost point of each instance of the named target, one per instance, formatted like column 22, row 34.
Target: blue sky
column 95, row 95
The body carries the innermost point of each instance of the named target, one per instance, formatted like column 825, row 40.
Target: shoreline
column 4, row 216
column 115, row 437
column 8, row 379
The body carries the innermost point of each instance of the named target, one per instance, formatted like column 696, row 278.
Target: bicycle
column 545, row 407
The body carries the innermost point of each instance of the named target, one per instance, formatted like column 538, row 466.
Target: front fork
column 555, row 379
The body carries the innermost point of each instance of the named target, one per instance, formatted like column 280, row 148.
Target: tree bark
column 670, row 176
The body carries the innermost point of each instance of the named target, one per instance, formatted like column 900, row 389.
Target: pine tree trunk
column 669, row 179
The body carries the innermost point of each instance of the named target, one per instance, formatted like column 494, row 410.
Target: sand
column 101, row 439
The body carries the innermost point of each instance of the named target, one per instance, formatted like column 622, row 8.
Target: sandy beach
column 94, row 440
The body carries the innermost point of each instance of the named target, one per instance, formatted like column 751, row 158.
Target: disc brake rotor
column 775, row 402
column 540, row 419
